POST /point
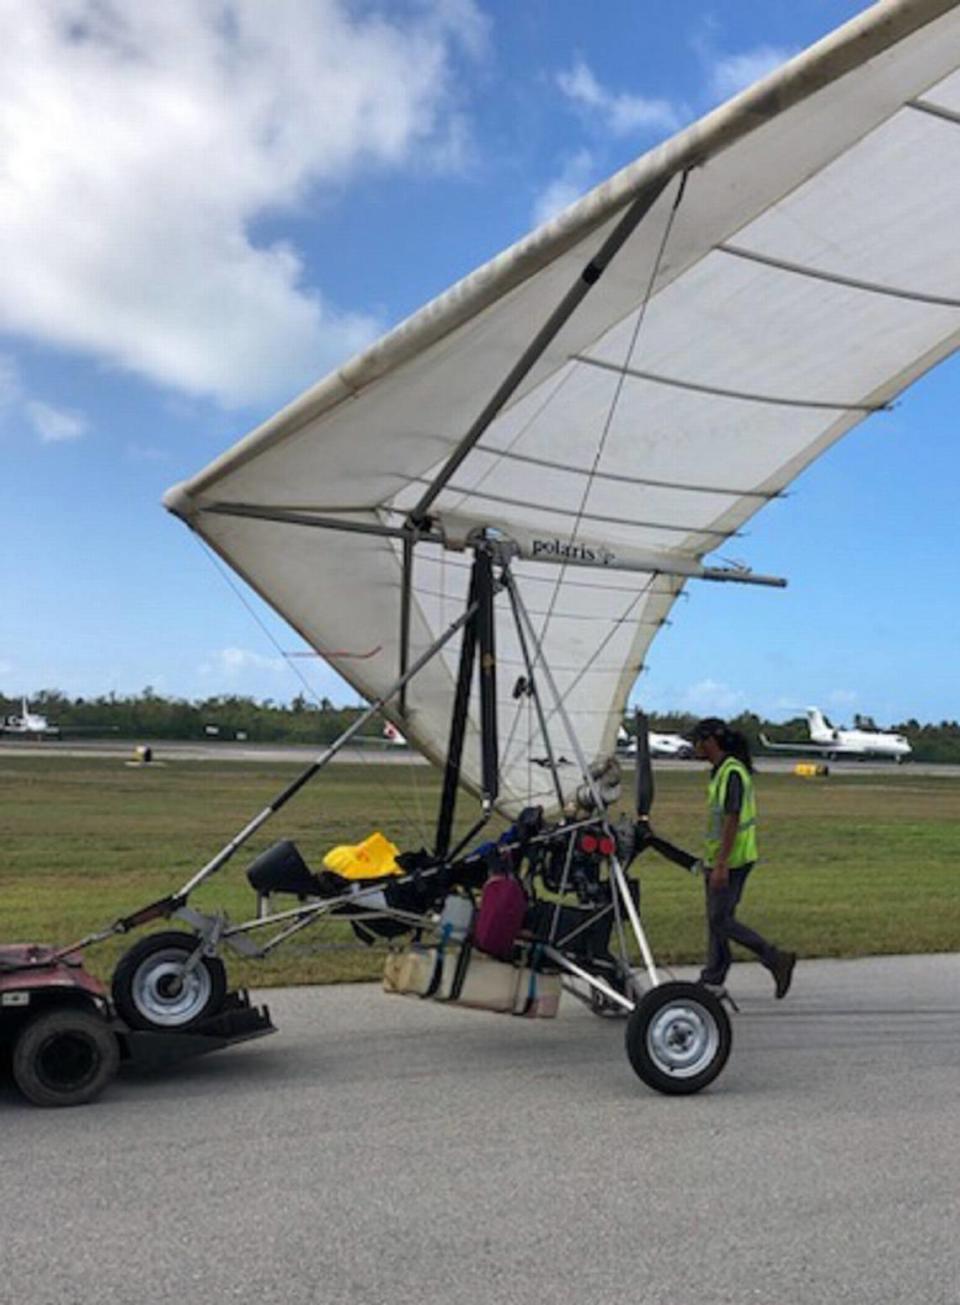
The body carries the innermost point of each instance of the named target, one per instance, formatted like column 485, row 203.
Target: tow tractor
column 62, row 1041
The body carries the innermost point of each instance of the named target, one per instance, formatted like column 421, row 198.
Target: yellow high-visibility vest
column 744, row 848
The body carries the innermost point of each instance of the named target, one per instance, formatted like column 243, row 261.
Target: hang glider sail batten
column 808, row 274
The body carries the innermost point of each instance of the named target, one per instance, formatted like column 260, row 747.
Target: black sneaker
column 782, row 972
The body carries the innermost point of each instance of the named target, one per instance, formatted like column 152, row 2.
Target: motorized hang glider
column 537, row 462
column 618, row 393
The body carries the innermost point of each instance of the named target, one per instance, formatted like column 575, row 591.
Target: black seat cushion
column 281, row 869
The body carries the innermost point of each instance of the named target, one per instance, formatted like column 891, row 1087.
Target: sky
column 205, row 205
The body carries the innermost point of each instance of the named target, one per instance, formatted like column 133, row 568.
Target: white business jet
column 829, row 742
column 661, row 745
column 29, row 723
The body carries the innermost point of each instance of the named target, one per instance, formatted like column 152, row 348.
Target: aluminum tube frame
column 406, row 604
column 637, row 210
column 615, row 866
column 599, row 985
column 301, row 920
column 647, row 562
column 563, row 939
column 227, row 852
column 301, row 916
column 509, row 585
column 327, row 906
column 458, row 727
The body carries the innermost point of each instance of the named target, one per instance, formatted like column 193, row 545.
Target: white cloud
column 55, row 425
column 787, row 704
column 620, row 113
column 146, row 453
column 713, row 698
column 142, row 142
column 10, row 391
column 232, row 663
column 733, row 73
column 843, row 697
column 462, row 18
column 574, row 181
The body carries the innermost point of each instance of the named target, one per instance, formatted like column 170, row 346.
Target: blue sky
column 206, row 206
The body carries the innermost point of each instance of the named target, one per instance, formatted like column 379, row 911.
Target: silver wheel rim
column 683, row 1039
column 164, row 995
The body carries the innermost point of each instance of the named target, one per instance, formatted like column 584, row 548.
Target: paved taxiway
column 378, row 755
column 386, row 1150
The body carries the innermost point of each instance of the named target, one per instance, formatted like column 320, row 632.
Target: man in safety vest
column 731, row 851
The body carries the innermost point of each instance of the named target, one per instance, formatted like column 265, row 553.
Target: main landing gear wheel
column 151, row 991
column 65, row 1058
column 678, row 1038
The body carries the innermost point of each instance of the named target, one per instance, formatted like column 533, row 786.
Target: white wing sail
column 796, row 267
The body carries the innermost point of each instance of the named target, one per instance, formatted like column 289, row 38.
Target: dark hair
column 736, row 744
column 731, row 741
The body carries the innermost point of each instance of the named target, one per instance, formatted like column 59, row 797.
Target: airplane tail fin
column 820, row 728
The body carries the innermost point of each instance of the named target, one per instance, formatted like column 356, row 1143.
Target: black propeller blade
column 645, row 789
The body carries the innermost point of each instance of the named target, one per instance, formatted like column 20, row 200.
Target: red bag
column 503, row 907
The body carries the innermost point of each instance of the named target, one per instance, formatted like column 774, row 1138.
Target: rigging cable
column 618, row 390
column 591, row 477
column 403, row 810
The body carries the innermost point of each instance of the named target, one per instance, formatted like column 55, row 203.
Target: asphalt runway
column 377, row 754
column 385, row 1150
column 178, row 750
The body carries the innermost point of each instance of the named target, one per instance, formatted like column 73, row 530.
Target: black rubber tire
column 678, row 1038
column 143, row 986
column 65, row 1057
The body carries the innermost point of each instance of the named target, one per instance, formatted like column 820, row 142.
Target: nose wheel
column 155, row 988
column 678, row 1038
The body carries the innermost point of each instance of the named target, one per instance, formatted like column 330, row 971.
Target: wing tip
column 178, row 500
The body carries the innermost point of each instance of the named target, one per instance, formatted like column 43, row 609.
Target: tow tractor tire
column 65, row 1057
column 151, row 991
column 678, row 1038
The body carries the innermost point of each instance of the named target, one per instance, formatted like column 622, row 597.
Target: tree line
column 150, row 715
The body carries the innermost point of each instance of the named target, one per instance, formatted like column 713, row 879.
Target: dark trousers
column 723, row 928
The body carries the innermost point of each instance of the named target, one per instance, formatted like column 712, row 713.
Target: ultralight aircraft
column 482, row 520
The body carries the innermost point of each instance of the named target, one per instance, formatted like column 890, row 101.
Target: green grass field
column 851, row 865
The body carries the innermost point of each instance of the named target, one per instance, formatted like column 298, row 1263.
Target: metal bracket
column 209, row 929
